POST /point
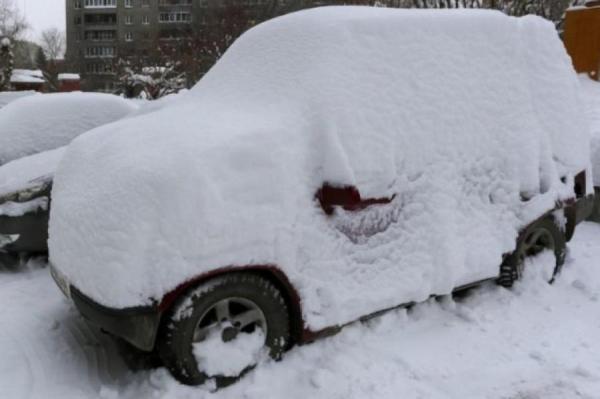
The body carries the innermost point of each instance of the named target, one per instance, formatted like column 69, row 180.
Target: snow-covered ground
column 534, row 341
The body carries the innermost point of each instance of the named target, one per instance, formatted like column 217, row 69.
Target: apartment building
column 101, row 32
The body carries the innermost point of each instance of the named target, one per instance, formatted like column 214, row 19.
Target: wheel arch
column 271, row 273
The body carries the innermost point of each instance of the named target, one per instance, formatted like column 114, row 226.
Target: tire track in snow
column 50, row 347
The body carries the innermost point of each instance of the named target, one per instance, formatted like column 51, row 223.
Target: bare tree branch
column 53, row 43
column 12, row 22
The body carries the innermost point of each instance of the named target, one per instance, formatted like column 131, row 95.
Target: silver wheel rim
column 536, row 242
column 230, row 316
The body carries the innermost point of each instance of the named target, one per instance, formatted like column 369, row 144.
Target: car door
column 351, row 255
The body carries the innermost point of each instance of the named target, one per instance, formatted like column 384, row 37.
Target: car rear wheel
column 540, row 236
column 222, row 328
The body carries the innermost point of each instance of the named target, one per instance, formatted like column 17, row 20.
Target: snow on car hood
column 38, row 123
column 29, row 172
column 458, row 114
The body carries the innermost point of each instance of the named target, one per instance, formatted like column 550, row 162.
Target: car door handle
column 346, row 197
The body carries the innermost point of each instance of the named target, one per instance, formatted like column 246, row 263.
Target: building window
column 128, row 4
column 145, row 20
column 78, row 20
column 99, row 35
column 129, row 20
column 145, row 3
column 170, row 17
column 99, row 52
column 129, row 37
column 77, row 4
column 100, row 3
column 100, row 19
column 99, row 69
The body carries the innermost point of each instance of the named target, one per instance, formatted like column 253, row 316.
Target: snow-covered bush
column 150, row 83
column 6, row 63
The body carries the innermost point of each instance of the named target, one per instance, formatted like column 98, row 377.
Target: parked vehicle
column 335, row 163
column 591, row 95
column 24, row 205
column 33, row 131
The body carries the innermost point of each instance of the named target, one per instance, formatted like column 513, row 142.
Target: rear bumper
column 138, row 326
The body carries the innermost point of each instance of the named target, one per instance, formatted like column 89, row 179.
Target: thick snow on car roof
column 37, row 123
column 441, row 109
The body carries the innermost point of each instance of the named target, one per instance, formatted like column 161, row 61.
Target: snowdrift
column 38, row 123
column 458, row 115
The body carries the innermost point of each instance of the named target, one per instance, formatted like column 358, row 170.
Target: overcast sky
column 43, row 14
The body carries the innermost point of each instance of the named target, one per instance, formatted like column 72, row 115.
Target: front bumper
column 27, row 233
column 138, row 325
column 585, row 207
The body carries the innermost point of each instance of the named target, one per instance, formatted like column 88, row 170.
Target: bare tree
column 52, row 49
column 53, row 43
column 12, row 22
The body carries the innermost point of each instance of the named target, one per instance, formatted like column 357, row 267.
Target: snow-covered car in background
column 7, row 97
column 44, row 122
column 335, row 163
column 591, row 95
column 33, row 131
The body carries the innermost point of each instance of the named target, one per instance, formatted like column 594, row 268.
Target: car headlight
column 7, row 239
column 61, row 281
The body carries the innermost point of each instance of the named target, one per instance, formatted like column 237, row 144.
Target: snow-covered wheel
column 221, row 329
column 540, row 236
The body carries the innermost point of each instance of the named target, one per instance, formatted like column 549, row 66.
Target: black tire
column 549, row 236
column 180, row 325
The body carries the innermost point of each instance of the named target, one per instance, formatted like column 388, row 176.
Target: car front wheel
column 223, row 328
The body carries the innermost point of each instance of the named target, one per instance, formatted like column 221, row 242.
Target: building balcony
column 96, row 4
column 100, row 19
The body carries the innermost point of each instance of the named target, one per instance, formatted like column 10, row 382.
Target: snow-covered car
column 33, row 132
column 335, row 163
column 33, row 124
